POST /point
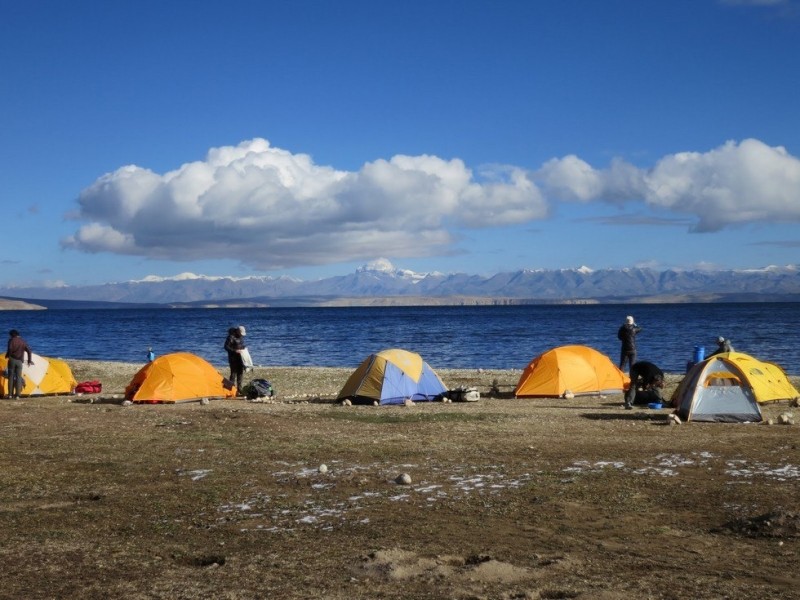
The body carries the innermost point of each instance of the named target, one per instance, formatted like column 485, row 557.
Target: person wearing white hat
column 723, row 346
column 627, row 335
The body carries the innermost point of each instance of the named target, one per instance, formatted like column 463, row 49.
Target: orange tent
column 178, row 377
column 578, row 369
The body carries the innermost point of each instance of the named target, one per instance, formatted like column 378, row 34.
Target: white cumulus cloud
column 270, row 208
column 735, row 183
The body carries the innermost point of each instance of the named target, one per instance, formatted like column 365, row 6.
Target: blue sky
column 307, row 138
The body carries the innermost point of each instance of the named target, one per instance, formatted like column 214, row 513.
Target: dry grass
column 535, row 499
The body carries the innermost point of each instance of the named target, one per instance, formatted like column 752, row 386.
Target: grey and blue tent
column 392, row 377
column 716, row 390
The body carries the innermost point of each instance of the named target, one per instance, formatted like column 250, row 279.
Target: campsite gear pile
column 463, row 394
column 258, row 388
column 89, row 387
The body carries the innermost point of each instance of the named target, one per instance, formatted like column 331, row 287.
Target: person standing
column 234, row 344
column 723, row 346
column 15, row 353
column 627, row 335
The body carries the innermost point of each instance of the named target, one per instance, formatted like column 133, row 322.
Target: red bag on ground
column 89, row 387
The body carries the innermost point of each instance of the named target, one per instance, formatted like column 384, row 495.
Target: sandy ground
column 504, row 498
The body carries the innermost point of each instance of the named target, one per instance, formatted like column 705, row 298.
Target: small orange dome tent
column 177, row 377
column 46, row 376
column 579, row 369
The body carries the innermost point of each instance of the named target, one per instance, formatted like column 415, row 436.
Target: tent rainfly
column 768, row 380
column 46, row 376
column 580, row 370
column 717, row 390
column 391, row 377
column 177, row 377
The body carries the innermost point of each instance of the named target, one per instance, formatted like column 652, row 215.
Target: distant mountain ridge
column 382, row 283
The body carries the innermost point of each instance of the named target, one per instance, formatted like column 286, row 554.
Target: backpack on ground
column 258, row 388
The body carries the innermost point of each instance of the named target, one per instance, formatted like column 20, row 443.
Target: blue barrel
column 699, row 353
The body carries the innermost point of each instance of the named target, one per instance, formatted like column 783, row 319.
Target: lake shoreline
column 324, row 383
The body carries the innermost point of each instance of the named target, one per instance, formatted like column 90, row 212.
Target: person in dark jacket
column 233, row 346
column 649, row 378
column 723, row 345
column 627, row 335
column 15, row 353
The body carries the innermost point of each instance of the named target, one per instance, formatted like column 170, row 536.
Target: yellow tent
column 767, row 380
column 46, row 376
column 391, row 377
column 716, row 390
column 578, row 369
column 178, row 377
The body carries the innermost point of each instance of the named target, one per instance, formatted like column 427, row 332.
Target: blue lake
column 489, row 337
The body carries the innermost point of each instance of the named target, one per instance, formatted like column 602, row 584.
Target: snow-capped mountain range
column 381, row 280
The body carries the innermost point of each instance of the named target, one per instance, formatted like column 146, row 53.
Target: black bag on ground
column 259, row 388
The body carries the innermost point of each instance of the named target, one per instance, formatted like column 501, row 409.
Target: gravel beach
column 302, row 497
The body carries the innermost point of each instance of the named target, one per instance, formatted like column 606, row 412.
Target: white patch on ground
column 317, row 509
column 429, row 489
column 655, row 471
column 740, row 468
column 670, row 465
column 491, row 482
column 316, row 504
column 584, row 466
column 195, row 474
